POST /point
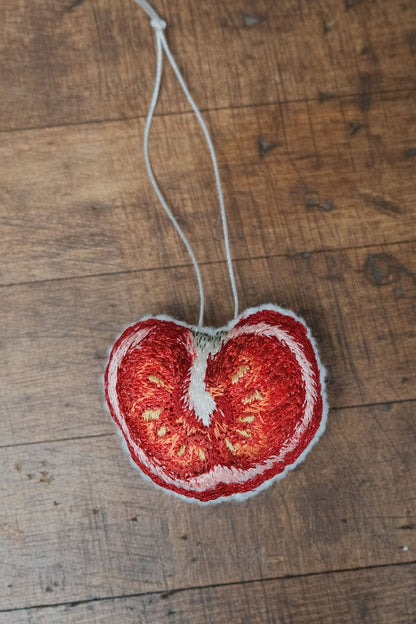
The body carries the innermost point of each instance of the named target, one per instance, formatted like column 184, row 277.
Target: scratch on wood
column 265, row 146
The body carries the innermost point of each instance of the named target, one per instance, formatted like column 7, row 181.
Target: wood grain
column 377, row 596
column 69, row 62
column 359, row 303
column 312, row 111
column 77, row 200
column 79, row 523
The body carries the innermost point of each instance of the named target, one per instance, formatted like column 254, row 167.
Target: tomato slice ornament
column 214, row 414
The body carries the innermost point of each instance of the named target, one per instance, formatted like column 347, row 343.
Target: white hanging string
column 161, row 45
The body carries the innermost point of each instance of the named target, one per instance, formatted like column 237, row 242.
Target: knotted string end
column 157, row 23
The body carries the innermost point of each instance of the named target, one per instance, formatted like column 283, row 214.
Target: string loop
column 159, row 26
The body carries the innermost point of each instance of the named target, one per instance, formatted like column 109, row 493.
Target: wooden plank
column 377, row 596
column 77, row 522
column 71, row 61
column 359, row 303
column 77, row 200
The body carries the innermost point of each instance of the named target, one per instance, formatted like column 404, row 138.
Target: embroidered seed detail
column 212, row 414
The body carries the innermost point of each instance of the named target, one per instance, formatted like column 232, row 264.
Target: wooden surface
column 312, row 109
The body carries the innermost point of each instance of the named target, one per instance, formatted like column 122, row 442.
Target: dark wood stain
column 73, row 5
column 314, row 202
column 252, row 20
column 325, row 96
column 354, row 127
column 387, row 207
column 327, row 25
column 264, row 146
column 411, row 40
column 382, row 269
column 350, row 4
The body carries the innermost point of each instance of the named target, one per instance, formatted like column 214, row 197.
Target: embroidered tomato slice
column 213, row 414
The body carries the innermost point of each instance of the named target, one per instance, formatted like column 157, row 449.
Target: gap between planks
column 207, row 111
column 115, row 433
column 171, row 592
column 213, row 262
